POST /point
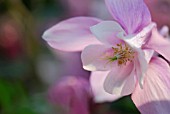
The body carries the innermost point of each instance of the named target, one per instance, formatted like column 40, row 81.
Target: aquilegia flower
column 122, row 50
column 73, row 94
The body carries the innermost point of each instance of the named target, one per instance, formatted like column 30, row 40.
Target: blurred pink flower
column 164, row 31
column 10, row 35
column 73, row 94
column 160, row 11
column 86, row 7
column 122, row 50
column 77, row 7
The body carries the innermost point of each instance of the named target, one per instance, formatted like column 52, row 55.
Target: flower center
column 122, row 53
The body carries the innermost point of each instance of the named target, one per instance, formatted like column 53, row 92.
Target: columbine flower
column 122, row 52
column 72, row 94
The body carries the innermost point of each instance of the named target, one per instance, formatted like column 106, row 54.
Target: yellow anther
column 122, row 53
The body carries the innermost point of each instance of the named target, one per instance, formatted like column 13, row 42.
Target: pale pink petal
column 94, row 58
column 97, row 81
column 72, row 34
column 148, row 54
column 159, row 44
column 133, row 15
column 140, row 38
column 121, row 80
column 107, row 32
column 154, row 97
column 141, row 65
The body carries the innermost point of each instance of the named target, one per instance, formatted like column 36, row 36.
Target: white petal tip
column 141, row 81
column 92, row 29
column 141, row 84
column 108, row 89
column 116, row 91
column 45, row 35
column 90, row 68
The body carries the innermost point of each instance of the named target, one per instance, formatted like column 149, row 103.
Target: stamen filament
column 122, row 54
column 113, row 58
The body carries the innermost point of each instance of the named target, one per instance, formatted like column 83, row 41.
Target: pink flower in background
column 77, row 7
column 164, row 31
column 86, row 7
column 121, row 51
column 160, row 11
column 10, row 34
column 73, row 94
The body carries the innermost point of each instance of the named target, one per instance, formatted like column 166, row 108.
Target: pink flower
column 121, row 51
column 86, row 7
column 72, row 94
column 160, row 11
column 81, row 9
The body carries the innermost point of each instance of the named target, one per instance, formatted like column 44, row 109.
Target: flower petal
column 72, row 34
column 107, row 31
column 140, row 38
column 121, row 80
column 132, row 15
column 154, row 97
column 159, row 44
column 94, row 58
column 148, row 54
column 141, row 66
column 100, row 95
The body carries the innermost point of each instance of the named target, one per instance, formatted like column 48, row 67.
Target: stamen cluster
column 123, row 54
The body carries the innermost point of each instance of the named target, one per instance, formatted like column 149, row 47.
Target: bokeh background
column 29, row 67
